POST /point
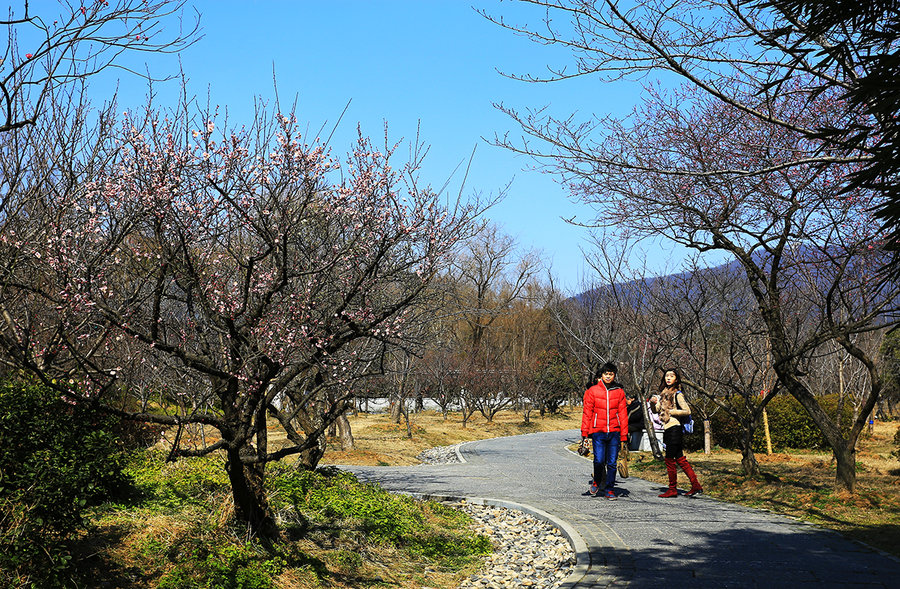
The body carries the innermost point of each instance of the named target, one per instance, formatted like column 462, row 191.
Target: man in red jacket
column 604, row 418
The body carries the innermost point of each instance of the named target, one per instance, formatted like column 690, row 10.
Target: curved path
column 642, row 540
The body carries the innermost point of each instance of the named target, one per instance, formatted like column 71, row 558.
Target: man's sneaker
column 595, row 489
column 695, row 491
column 611, row 495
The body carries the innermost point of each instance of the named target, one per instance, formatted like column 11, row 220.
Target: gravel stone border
column 441, row 455
column 528, row 552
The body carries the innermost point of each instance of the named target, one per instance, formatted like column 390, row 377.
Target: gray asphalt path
column 641, row 540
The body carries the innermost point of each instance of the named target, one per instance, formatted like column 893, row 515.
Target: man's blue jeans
column 606, row 449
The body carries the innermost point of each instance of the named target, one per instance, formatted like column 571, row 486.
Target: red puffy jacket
column 605, row 410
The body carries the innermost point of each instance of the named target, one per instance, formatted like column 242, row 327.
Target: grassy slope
column 335, row 532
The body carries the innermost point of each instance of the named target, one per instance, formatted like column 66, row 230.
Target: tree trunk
column 749, row 463
column 466, row 414
column 396, row 411
column 707, row 436
column 408, row 425
column 748, row 459
column 309, row 458
column 345, row 433
column 845, row 475
column 248, row 489
column 649, row 428
column 844, row 448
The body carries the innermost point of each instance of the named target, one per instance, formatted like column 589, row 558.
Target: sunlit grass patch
column 178, row 531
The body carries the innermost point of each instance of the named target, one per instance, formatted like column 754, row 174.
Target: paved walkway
column 642, row 540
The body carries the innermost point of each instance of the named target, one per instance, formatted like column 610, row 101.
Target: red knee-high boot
column 672, row 491
column 689, row 471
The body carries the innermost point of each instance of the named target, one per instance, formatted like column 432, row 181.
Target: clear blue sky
column 408, row 62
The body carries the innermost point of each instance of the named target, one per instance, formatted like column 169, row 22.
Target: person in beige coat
column 673, row 411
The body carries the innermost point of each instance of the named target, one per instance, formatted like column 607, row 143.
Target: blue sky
column 431, row 63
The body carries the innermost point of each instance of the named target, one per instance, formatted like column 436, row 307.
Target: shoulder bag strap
column 677, row 404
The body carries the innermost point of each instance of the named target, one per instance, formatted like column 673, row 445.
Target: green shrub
column 336, row 498
column 790, row 426
column 232, row 566
column 188, row 481
column 56, row 459
column 726, row 431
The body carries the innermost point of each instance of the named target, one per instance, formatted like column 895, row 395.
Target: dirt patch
column 772, row 458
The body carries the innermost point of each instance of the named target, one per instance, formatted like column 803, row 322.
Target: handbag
column 623, row 462
column 585, row 447
column 688, row 425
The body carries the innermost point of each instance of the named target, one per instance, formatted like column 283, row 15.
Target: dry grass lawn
column 378, row 441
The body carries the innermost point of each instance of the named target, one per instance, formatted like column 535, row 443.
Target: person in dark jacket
column 635, row 414
column 604, row 419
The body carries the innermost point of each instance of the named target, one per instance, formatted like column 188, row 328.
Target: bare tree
column 727, row 169
column 489, row 276
column 553, row 381
column 439, row 372
column 742, row 54
column 473, row 380
column 493, row 383
column 720, row 342
column 861, row 41
column 48, row 51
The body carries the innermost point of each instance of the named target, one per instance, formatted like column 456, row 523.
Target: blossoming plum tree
column 253, row 273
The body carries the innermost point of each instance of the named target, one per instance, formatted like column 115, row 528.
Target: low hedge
column 790, row 426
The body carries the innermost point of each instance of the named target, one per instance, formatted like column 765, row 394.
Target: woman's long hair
column 675, row 385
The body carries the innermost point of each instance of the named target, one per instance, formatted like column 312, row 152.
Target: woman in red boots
column 673, row 411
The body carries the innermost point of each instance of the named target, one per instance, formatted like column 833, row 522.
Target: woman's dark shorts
column 673, row 438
